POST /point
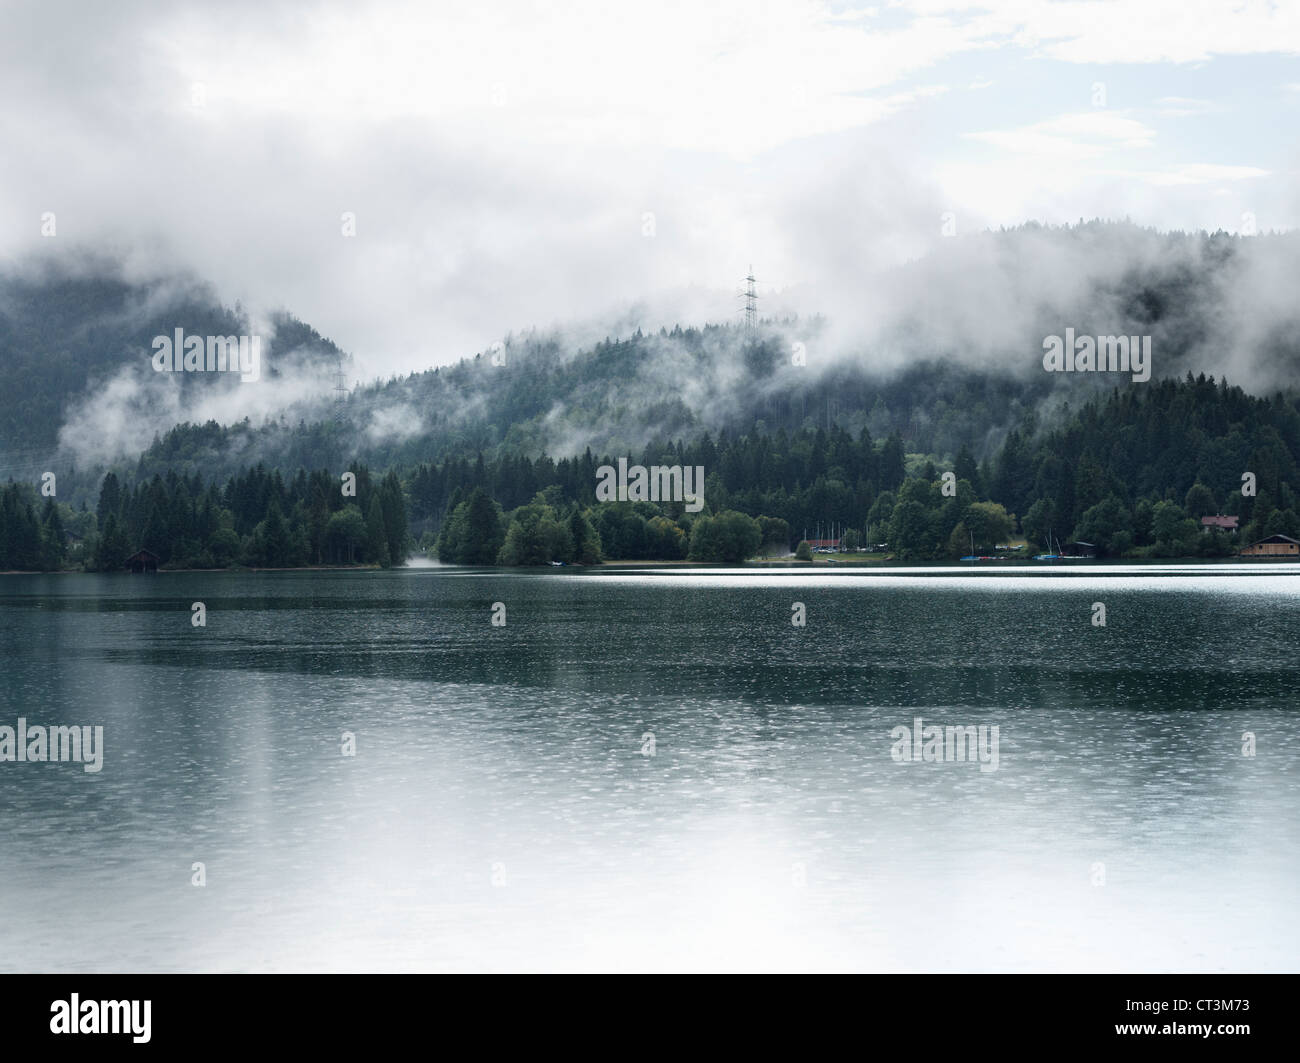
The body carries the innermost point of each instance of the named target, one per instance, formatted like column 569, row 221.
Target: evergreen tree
column 113, row 547
column 345, row 533
column 393, row 510
column 376, row 534
column 273, row 533
column 964, row 468
column 54, row 548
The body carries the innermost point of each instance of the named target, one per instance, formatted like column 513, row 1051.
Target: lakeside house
column 1220, row 521
column 1079, row 549
column 1272, row 546
column 142, row 561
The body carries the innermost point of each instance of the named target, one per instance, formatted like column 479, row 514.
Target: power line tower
column 340, row 382
column 751, row 301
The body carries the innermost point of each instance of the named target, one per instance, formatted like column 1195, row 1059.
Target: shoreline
column 1010, row 564
column 161, row 571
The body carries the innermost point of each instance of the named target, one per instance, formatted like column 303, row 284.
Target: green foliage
column 624, row 530
column 256, row 519
column 729, row 538
column 776, row 534
column 586, row 540
column 54, row 548
column 911, row 537
column 959, row 541
column 1042, row 523
column 376, row 535
column 23, row 543
column 223, row 547
column 392, row 506
column 665, row 540
column 1200, row 501
column 803, row 552
column 114, row 545
column 1130, row 471
column 1102, row 523
column 63, row 331
column 476, row 532
column 537, row 536
column 1176, row 534
column 346, row 533
column 990, row 523
column 965, row 468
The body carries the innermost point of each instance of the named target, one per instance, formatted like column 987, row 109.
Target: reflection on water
column 500, row 814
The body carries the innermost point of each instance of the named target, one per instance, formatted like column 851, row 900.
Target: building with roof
column 142, row 561
column 1273, row 546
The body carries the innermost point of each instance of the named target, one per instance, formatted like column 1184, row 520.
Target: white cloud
column 1187, row 107
column 727, row 75
column 1193, row 174
column 1129, row 31
column 499, row 158
column 1083, row 135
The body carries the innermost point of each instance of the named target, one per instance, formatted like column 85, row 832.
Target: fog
column 419, row 183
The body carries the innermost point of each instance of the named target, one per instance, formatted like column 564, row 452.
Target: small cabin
column 142, row 561
column 1223, row 523
column 1273, row 546
column 1079, row 549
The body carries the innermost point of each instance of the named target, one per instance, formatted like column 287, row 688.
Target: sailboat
column 1049, row 556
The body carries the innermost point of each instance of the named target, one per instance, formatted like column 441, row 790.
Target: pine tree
column 393, row 506
column 376, row 535
column 54, row 549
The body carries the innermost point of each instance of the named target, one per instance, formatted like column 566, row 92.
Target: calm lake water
column 501, row 812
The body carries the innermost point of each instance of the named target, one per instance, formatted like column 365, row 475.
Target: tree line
column 1132, row 472
column 255, row 519
column 547, row 530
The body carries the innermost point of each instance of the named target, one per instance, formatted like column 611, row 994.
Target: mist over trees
column 800, row 425
column 79, row 336
column 1132, row 472
column 257, row 519
column 945, row 351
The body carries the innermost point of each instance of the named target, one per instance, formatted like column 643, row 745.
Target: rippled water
column 499, row 813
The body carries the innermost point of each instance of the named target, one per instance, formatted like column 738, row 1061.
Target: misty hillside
column 796, row 423
column 956, row 360
column 946, row 352
column 76, row 348
column 613, row 398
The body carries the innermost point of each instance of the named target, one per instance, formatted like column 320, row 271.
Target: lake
column 655, row 769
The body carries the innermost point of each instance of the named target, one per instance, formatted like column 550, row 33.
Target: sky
column 417, row 180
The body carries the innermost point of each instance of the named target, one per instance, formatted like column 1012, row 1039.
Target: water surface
column 500, row 813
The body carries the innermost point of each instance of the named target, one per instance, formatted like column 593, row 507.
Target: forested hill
column 1131, row 472
column 797, row 421
column 606, row 400
column 950, row 355
column 76, row 344
column 947, row 352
